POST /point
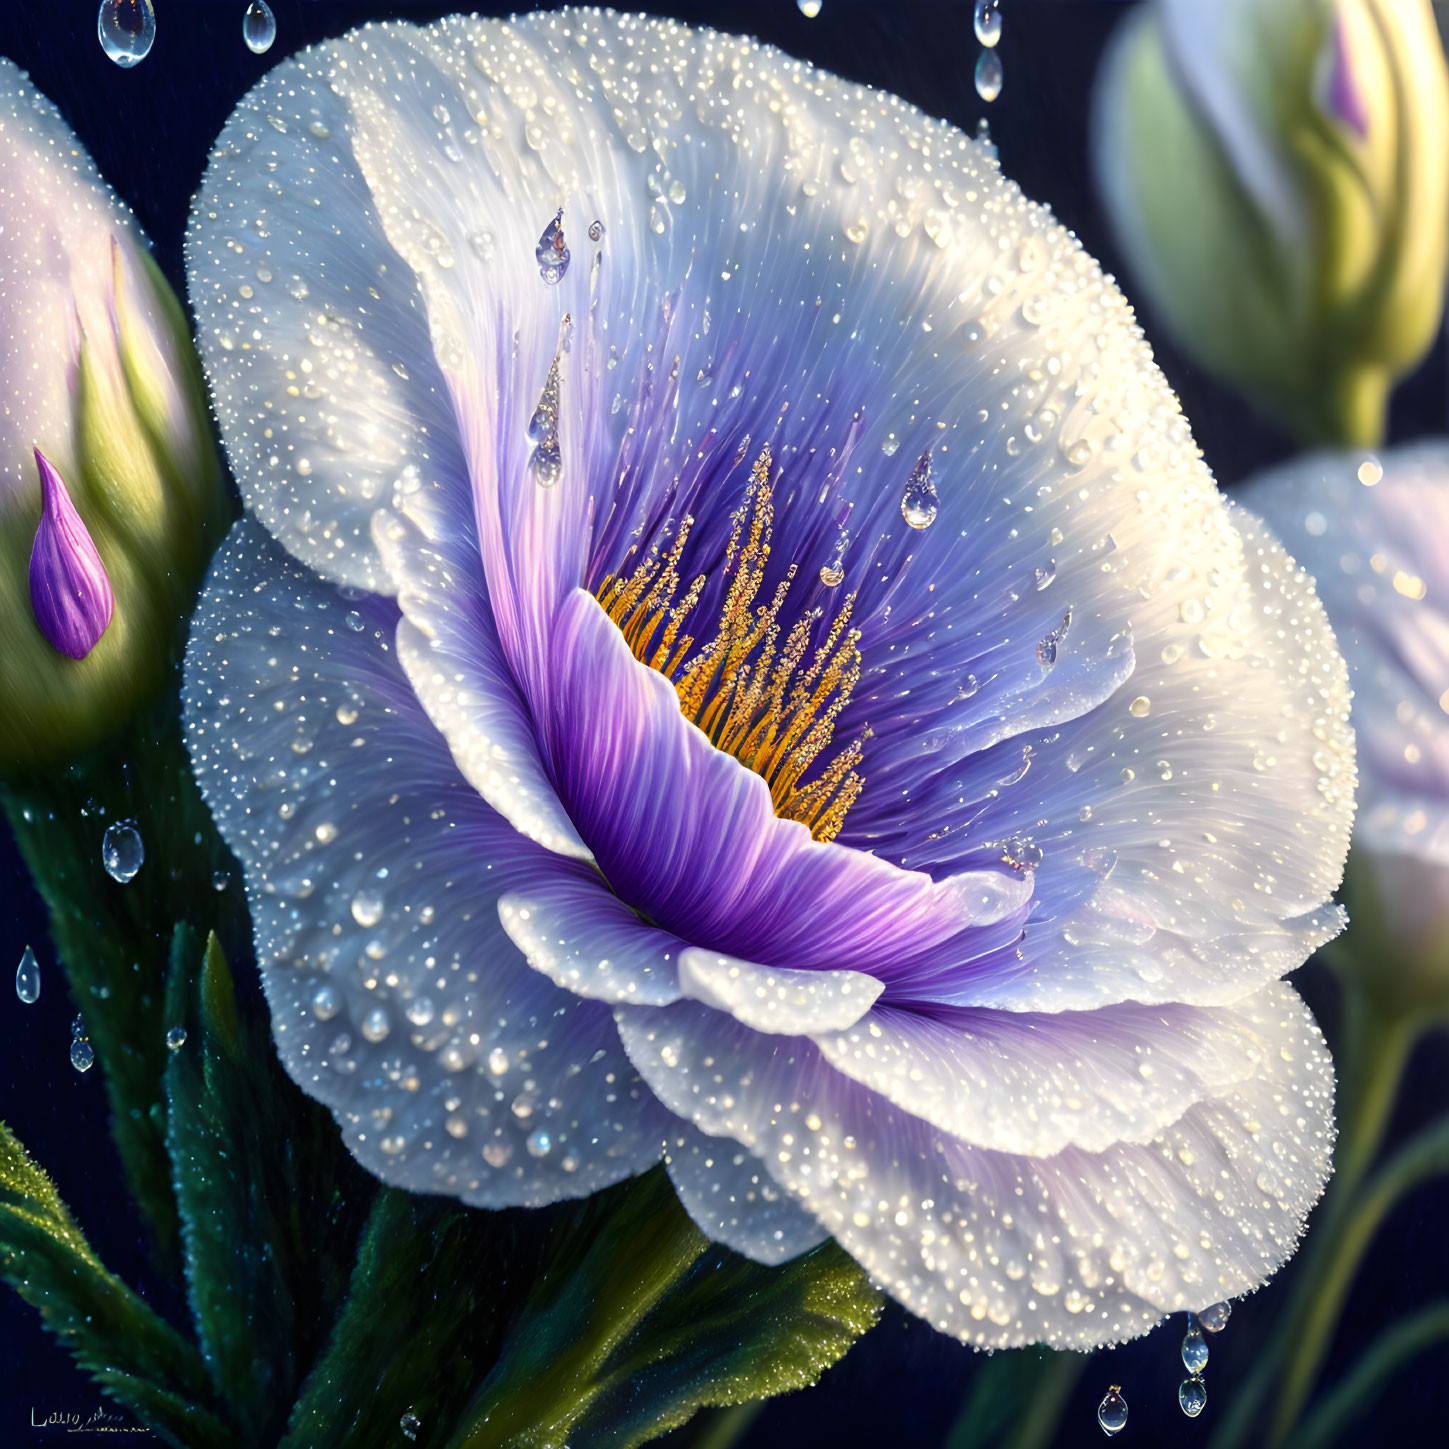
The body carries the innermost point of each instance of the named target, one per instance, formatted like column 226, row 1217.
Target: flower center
column 772, row 705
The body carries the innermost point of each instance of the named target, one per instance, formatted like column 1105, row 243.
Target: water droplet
column 122, row 851
column 1194, row 1349
column 498, row 1061
column 1215, row 1318
column 220, row 880
column 988, row 21
column 1140, row 707
column 547, row 459
column 82, row 1055
column 1192, row 1395
column 919, row 503
column 1022, row 853
column 27, row 978
column 967, row 688
column 810, row 8
column 420, row 1010
column 127, row 31
column 1112, row 1412
column 375, row 1025
column 1045, row 574
column 410, row 1424
column 326, row 1003
column 596, row 229
column 552, row 252
column 366, row 909
column 831, row 576
column 1046, row 649
column 259, row 27
column 353, row 620
column 538, row 1143
column 176, row 1038
column 989, row 75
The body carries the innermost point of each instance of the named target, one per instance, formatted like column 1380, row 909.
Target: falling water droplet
column 410, row 1424
column 988, row 21
column 122, row 851
column 82, row 1054
column 919, row 503
column 1192, row 1395
column 1112, row 1412
column 552, row 252
column 1194, row 1349
column 596, row 230
column 259, row 27
column 989, row 75
column 127, row 31
column 810, row 8
column 1215, row 1318
column 27, row 978
column 176, row 1038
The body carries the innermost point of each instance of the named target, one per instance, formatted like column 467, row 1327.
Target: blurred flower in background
column 110, row 490
column 1375, row 533
column 1276, row 173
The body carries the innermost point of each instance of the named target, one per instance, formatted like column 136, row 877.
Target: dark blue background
column 150, row 129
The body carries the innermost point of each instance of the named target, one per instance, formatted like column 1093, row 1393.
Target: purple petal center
column 70, row 591
column 1344, row 98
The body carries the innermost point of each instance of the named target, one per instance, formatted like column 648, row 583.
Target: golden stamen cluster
column 762, row 701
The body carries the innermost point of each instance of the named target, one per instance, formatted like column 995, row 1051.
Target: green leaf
column 106, row 932
column 269, row 1200
column 137, row 1358
column 639, row 1321
column 430, row 1298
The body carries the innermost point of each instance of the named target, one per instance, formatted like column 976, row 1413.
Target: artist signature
column 97, row 1421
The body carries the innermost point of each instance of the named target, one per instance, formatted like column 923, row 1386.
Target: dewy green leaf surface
column 639, row 1322
column 138, row 1359
column 268, row 1201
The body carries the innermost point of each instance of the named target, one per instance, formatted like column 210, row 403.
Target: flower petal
column 771, row 999
column 373, row 875
column 726, row 873
column 1074, row 1250
column 734, row 1200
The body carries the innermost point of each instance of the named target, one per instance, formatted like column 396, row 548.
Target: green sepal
column 114, row 1335
column 268, row 1200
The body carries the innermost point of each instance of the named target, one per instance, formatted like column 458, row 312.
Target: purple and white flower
column 782, row 692
column 1375, row 533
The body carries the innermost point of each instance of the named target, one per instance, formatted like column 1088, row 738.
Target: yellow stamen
column 753, row 696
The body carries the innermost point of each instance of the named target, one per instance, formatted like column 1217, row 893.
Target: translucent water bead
column 1112, row 1412
column 123, row 852
column 259, row 27
column 27, row 978
column 127, row 30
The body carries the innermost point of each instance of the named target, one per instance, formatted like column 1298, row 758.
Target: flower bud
column 1275, row 171
column 111, row 495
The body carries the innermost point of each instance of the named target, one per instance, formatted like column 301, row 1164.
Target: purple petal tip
column 70, row 591
column 1343, row 98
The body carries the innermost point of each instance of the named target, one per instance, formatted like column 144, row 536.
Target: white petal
column 773, row 999
column 735, row 1201
column 373, row 874
column 1075, row 1250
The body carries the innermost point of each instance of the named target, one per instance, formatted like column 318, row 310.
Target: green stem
column 1038, row 1427
column 1426, row 1155
column 1355, row 1395
column 1372, row 1057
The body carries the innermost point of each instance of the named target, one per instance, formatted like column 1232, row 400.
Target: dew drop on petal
column 176, row 1038
column 1112, row 1412
column 1192, row 1396
column 538, row 1143
column 326, row 1003
column 366, row 909
column 122, row 851
column 919, row 502
column 988, row 21
column 1215, row 1318
column 596, row 229
column 1022, row 853
column 82, row 1055
column 1194, row 1349
column 1140, row 707
column 375, row 1025
column 259, row 27
column 127, row 31
column 552, row 252
column 27, row 978
column 989, row 75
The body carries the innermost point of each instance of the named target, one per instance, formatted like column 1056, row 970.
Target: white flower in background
column 765, row 679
